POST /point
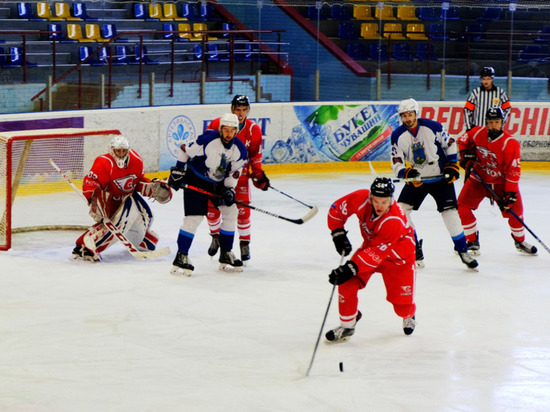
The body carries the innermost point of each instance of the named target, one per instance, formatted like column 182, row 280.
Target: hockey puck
column 341, row 366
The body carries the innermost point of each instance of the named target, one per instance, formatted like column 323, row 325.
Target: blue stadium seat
column 141, row 11
column 25, row 11
column 16, row 58
column 423, row 52
column 378, row 52
column 474, row 31
column 357, row 50
column 402, row 51
column 120, row 56
column 191, row 11
column 242, row 51
column 141, row 54
column 80, row 10
column 207, row 12
column 60, row 37
column 436, row 31
column 490, row 14
column 429, row 13
column 322, row 14
column 84, row 52
column 341, row 11
column 531, row 53
column 348, row 31
column 109, row 31
column 451, row 14
column 4, row 60
column 213, row 54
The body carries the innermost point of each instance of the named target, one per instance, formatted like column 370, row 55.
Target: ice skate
column 84, row 254
column 408, row 325
column 473, row 247
column 245, row 250
column 215, row 245
column 182, row 265
column 339, row 334
column 525, row 247
column 419, row 255
column 229, row 263
column 468, row 260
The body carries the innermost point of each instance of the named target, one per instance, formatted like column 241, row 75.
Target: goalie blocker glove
column 177, row 178
column 341, row 241
column 343, row 273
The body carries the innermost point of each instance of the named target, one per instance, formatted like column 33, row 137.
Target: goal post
column 33, row 196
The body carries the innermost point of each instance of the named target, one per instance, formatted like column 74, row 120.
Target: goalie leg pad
column 149, row 241
column 134, row 218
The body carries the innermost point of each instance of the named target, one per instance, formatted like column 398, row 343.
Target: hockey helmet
column 229, row 119
column 382, row 187
column 117, row 144
column 408, row 105
column 494, row 113
column 487, row 72
column 240, row 100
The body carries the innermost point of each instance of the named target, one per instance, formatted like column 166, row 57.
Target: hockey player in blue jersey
column 212, row 164
column 421, row 148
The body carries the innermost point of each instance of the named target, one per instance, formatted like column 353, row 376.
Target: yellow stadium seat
column 74, row 32
column 92, row 33
column 200, row 27
column 362, row 12
column 155, row 11
column 406, row 12
column 43, row 11
column 369, row 31
column 63, row 11
column 415, row 31
column 170, row 12
column 184, row 27
column 386, row 13
column 394, row 31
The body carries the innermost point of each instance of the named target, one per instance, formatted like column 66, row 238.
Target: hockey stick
column 152, row 254
column 520, row 220
column 323, row 324
column 290, row 197
column 304, row 219
column 424, row 179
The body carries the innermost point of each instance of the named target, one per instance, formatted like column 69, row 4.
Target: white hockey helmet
column 408, row 105
column 229, row 119
column 119, row 142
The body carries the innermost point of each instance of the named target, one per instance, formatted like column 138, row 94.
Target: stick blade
column 310, row 214
column 152, row 254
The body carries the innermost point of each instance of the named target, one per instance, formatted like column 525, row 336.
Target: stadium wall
column 298, row 137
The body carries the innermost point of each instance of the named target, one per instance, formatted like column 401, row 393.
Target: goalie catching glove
column 261, row 181
column 451, row 172
column 157, row 189
column 341, row 241
column 343, row 273
column 411, row 173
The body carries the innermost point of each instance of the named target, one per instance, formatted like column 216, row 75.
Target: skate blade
column 476, row 269
column 341, row 340
column 225, row 267
column 177, row 271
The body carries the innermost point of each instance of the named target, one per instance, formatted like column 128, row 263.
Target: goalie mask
column 118, row 149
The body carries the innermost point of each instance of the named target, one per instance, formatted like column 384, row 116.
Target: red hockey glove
column 451, row 172
column 343, row 273
column 411, row 173
column 508, row 199
column 261, row 182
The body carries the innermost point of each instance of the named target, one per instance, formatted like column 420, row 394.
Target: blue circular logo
column 180, row 130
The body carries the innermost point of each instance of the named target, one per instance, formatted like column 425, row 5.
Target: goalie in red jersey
column 490, row 154
column 251, row 135
column 388, row 248
column 112, row 188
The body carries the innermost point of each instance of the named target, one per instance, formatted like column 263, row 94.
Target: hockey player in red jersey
column 112, row 188
column 489, row 153
column 388, row 248
column 251, row 135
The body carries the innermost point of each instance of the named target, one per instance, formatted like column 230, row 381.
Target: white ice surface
column 125, row 335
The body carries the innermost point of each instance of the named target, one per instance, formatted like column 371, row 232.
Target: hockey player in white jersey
column 421, row 148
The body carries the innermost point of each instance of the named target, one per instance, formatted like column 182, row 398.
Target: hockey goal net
column 33, row 195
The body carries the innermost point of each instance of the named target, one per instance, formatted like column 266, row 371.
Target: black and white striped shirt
column 480, row 100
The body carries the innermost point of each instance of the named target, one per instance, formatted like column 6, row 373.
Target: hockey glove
column 261, row 182
column 98, row 204
column 467, row 161
column 343, row 273
column 228, row 197
column 161, row 191
column 451, row 172
column 341, row 241
column 411, row 173
column 177, row 178
column 507, row 200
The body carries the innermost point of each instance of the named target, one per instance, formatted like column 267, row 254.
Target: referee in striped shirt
column 482, row 98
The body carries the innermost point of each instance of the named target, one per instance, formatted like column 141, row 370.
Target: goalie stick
column 304, row 219
column 520, row 220
column 152, row 254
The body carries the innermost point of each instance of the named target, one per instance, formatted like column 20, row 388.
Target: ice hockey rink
column 125, row 335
